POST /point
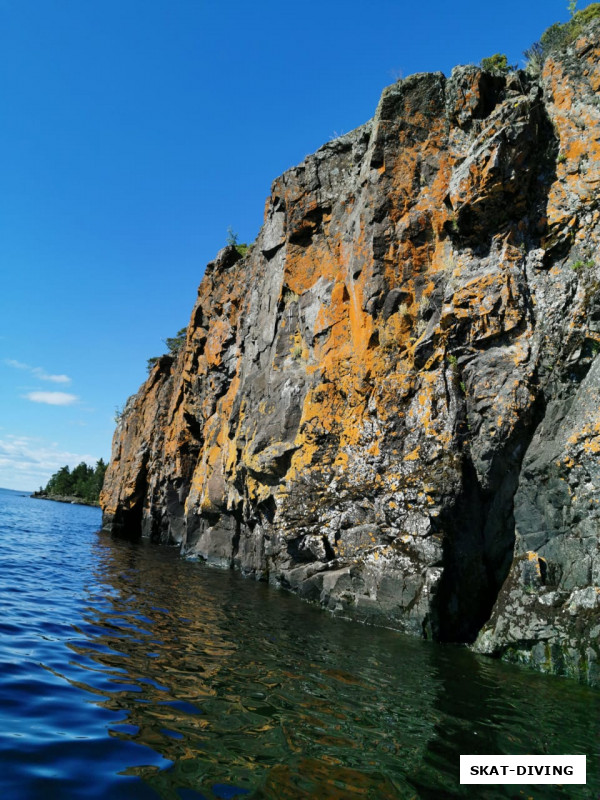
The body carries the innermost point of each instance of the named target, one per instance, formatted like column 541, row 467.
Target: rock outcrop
column 390, row 404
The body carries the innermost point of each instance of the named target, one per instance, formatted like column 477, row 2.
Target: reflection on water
column 140, row 675
column 245, row 688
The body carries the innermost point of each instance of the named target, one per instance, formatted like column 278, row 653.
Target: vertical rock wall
column 390, row 404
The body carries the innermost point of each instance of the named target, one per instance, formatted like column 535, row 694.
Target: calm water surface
column 126, row 672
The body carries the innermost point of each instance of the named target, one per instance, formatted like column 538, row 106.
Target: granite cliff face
column 390, row 405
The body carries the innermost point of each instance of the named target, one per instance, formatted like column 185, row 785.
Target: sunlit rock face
column 390, row 405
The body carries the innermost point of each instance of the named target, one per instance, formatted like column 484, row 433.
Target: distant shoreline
column 59, row 498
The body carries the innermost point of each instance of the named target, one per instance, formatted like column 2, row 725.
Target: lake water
column 126, row 672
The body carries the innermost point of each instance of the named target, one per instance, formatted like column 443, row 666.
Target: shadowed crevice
column 478, row 538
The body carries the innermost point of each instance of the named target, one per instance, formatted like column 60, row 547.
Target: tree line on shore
column 83, row 482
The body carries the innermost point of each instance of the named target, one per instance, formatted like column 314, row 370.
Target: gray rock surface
column 389, row 405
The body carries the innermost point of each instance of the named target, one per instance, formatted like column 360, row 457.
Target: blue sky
column 133, row 133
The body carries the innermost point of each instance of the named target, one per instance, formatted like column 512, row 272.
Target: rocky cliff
column 390, row 404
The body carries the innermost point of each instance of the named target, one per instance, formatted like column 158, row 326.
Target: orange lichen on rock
column 356, row 397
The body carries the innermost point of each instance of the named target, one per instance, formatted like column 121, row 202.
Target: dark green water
column 126, row 672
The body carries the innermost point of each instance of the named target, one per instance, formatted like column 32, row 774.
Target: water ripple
column 128, row 673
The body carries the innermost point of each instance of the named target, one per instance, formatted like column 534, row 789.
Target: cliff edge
column 390, row 404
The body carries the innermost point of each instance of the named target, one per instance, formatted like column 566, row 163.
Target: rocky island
column 390, row 404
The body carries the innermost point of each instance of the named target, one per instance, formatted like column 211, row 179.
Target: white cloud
column 12, row 362
column 52, row 398
column 26, row 463
column 40, row 373
column 37, row 371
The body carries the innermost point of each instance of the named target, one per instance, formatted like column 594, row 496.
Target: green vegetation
column 560, row 35
column 453, row 222
column 577, row 265
column 233, row 241
column 150, row 364
column 83, row 483
column 297, row 352
column 174, row 343
column 498, row 64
